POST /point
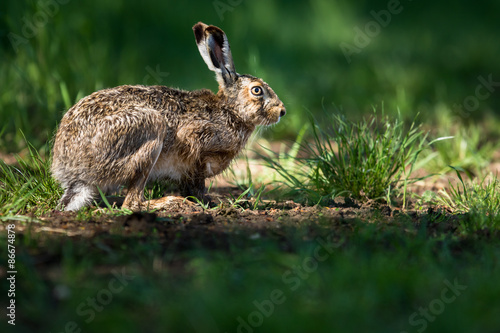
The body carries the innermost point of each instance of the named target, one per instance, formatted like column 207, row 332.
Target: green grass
column 368, row 160
column 478, row 200
column 370, row 277
column 27, row 187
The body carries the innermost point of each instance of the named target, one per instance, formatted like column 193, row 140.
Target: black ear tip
column 198, row 30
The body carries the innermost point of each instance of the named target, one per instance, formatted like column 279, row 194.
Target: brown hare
column 130, row 135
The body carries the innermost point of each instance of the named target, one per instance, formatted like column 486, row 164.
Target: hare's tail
column 77, row 195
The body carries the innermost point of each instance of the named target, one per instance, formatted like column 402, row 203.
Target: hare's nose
column 282, row 112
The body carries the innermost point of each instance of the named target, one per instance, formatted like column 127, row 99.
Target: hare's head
column 256, row 101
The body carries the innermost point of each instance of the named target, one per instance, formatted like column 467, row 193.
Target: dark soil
column 195, row 222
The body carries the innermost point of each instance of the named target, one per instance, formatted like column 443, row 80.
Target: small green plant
column 258, row 197
column 241, row 203
column 479, row 200
column 111, row 208
column 370, row 159
column 237, row 202
column 204, row 205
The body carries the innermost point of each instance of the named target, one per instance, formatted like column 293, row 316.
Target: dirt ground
column 194, row 221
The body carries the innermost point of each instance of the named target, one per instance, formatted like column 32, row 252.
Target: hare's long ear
column 216, row 52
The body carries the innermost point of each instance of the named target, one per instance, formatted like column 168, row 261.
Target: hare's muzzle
column 282, row 111
column 276, row 113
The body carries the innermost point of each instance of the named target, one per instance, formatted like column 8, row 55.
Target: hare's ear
column 216, row 52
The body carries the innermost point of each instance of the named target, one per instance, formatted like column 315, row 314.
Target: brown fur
column 130, row 135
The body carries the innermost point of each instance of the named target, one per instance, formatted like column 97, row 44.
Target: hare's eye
column 257, row 91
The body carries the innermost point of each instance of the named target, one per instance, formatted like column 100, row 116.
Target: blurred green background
column 426, row 57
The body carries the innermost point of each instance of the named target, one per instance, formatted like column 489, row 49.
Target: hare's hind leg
column 142, row 168
column 77, row 195
column 143, row 162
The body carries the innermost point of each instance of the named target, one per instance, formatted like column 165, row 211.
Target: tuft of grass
column 27, row 187
column 368, row 160
column 479, row 200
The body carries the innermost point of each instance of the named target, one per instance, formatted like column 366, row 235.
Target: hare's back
column 122, row 101
column 111, row 114
column 103, row 130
